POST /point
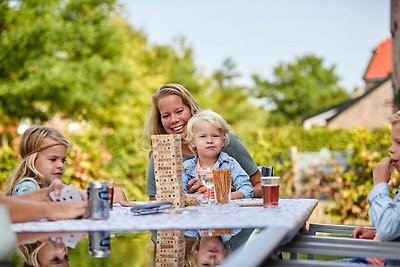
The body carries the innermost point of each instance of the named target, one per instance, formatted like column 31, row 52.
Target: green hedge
column 119, row 155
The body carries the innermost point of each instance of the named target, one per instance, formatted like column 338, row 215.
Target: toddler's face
column 211, row 251
column 207, row 139
column 51, row 161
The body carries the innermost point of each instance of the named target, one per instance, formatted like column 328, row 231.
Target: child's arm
column 384, row 212
column 241, row 181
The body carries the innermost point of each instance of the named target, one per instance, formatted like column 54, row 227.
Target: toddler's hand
column 194, row 185
column 205, row 195
column 382, row 171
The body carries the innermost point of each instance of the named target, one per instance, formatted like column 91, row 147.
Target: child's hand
column 205, row 195
column 120, row 197
column 363, row 233
column 56, row 186
column 194, row 185
column 382, row 171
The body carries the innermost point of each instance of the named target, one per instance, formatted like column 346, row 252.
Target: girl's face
column 395, row 147
column 211, row 251
column 51, row 161
column 53, row 254
column 208, row 140
column 174, row 114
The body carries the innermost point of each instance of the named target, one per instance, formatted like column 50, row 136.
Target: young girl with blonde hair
column 43, row 151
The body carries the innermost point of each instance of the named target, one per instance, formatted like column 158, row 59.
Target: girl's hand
column 56, row 186
column 382, row 171
column 120, row 197
column 195, row 186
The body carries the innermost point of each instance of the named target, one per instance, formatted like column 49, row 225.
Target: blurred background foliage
column 79, row 63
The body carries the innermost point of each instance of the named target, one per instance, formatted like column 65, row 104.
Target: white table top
column 291, row 214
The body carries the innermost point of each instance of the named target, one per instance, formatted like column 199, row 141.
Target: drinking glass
column 207, row 179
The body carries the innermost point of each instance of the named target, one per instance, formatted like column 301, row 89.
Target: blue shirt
column 385, row 215
column 25, row 186
column 240, row 178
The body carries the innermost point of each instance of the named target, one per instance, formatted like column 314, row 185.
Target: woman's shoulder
column 233, row 138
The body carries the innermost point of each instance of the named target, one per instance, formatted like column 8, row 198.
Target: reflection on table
column 172, row 248
column 123, row 240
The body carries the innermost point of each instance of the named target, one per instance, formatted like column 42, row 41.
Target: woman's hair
column 29, row 253
column 395, row 118
column 32, row 142
column 153, row 125
column 212, row 117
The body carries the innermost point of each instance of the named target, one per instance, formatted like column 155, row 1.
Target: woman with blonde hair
column 172, row 107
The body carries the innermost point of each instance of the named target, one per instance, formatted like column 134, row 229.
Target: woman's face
column 53, row 254
column 211, row 251
column 174, row 114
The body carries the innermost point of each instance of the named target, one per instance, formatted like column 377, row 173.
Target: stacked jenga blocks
column 168, row 166
column 170, row 249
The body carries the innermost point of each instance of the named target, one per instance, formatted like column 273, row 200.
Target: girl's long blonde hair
column 29, row 253
column 32, row 142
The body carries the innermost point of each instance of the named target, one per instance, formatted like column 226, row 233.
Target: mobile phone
column 152, row 207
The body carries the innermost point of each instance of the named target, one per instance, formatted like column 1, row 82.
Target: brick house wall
column 371, row 111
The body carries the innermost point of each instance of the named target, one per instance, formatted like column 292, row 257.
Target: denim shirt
column 240, row 178
column 224, row 238
column 385, row 215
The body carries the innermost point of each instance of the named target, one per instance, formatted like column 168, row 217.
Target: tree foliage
column 60, row 57
column 80, row 60
column 300, row 89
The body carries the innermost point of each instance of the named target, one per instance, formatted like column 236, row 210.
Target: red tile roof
column 380, row 65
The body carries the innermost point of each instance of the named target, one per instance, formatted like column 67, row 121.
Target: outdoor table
column 280, row 223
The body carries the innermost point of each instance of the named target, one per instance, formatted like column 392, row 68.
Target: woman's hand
column 66, row 210
column 382, row 171
column 195, row 186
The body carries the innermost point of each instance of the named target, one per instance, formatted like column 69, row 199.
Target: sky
column 261, row 34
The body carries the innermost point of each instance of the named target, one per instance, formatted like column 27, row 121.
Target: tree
column 232, row 100
column 60, row 57
column 300, row 89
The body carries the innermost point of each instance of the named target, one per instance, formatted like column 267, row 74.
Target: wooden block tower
column 170, row 249
column 168, row 166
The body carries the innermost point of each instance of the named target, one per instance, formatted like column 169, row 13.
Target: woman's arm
column 255, row 180
column 23, row 210
column 151, row 179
